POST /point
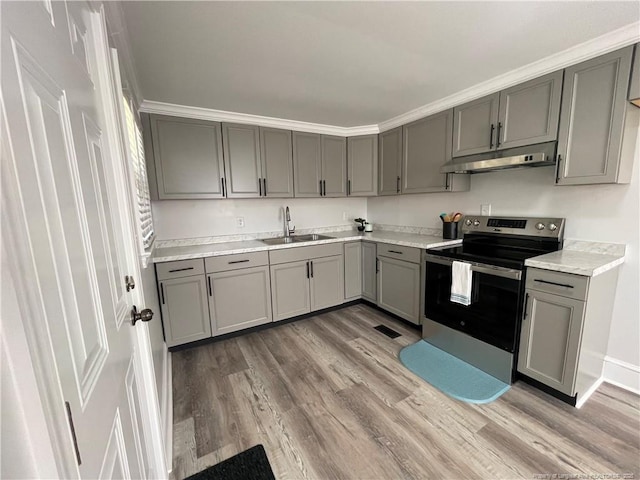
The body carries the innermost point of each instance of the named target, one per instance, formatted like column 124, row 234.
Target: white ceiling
column 346, row 63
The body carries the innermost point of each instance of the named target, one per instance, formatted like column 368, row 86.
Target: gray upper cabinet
column 277, row 162
column 390, row 161
column 529, row 112
column 427, row 146
column 242, row 160
column 474, row 126
column 188, row 157
column 352, row 270
column 369, row 271
column 362, row 166
column 598, row 126
column 307, row 169
column 334, row 166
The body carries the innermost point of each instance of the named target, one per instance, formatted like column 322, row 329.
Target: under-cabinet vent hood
column 539, row 155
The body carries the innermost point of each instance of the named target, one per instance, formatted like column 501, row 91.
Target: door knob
column 145, row 315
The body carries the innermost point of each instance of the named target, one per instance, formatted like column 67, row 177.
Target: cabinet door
column 188, row 157
column 352, row 270
column 529, row 112
column 185, row 310
column 427, row 146
column 550, row 340
column 276, row 153
column 594, row 106
column 290, row 290
column 390, row 160
column 474, row 126
column 334, row 166
column 369, row 271
column 306, row 164
column 239, row 299
column 399, row 288
column 362, row 166
column 327, row 282
column 242, row 160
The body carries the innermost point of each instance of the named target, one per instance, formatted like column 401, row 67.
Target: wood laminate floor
column 329, row 399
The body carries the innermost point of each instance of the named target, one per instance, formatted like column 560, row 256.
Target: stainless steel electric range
column 486, row 333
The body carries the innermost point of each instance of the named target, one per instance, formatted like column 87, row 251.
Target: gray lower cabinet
column 276, row 154
column 390, row 162
column 426, row 148
column 187, row 157
column 334, row 166
column 565, row 329
column 369, row 271
column 598, row 126
column 399, row 284
column 290, row 289
column 353, row 270
column 474, row 126
column 362, row 166
column 239, row 299
column 327, row 282
column 242, row 160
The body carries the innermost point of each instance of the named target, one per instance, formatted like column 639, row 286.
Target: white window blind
column 136, row 147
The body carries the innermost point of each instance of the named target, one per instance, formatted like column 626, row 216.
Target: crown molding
column 606, row 43
column 161, row 108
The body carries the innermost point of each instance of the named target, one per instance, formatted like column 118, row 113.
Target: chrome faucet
column 287, row 218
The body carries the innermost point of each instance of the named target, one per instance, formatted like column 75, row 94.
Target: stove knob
column 467, row 222
column 476, row 223
column 553, row 226
column 540, row 226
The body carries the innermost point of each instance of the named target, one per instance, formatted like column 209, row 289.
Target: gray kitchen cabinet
column 239, row 299
column 326, row 282
column 277, row 162
column 334, row 166
column 426, row 148
column 307, row 168
column 290, row 289
column 352, row 270
column 598, row 126
column 399, row 283
column 390, row 162
column 474, row 125
column 242, row 160
column 362, row 166
column 187, row 158
column 369, row 271
column 185, row 310
column 565, row 329
column 529, row 112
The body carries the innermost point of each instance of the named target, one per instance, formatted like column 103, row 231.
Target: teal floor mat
column 451, row 375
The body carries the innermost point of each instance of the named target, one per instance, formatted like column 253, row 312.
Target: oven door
column 496, row 296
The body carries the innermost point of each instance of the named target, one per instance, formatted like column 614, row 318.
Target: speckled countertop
column 581, row 258
column 183, row 252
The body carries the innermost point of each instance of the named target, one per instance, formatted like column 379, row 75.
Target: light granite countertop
column 581, row 258
column 183, row 252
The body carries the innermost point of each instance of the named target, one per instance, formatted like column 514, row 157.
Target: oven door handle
column 479, row 267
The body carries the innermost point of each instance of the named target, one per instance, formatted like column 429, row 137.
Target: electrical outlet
column 485, row 209
column 240, row 222
column 344, row 215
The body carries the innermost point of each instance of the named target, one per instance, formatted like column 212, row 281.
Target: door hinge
column 73, row 432
column 129, row 283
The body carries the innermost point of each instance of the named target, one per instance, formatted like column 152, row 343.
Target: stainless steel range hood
column 539, row 155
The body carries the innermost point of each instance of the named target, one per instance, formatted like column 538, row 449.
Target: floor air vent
column 387, row 331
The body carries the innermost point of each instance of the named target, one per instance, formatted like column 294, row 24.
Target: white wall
column 608, row 213
column 202, row 218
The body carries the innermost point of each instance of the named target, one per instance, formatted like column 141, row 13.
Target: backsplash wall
column 175, row 219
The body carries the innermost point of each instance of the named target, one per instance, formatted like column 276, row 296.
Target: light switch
column 240, row 222
column 485, row 209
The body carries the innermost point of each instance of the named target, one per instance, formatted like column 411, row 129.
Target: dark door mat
column 387, row 331
column 251, row 464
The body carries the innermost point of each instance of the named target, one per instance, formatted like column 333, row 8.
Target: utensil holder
column 450, row 230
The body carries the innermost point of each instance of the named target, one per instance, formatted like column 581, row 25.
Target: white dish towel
column 461, row 277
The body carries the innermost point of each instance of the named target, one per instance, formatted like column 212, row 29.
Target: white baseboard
column 622, row 374
column 588, row 393
column 167, row 412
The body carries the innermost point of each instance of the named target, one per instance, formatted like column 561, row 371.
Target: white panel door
column 65, row 194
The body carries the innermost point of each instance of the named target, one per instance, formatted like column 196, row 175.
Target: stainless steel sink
column 312, row 237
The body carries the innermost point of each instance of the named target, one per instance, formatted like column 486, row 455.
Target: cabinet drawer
column 180, row 268
column 409, row 254
column 558, row 283
column 296, row 254
column 224, row 263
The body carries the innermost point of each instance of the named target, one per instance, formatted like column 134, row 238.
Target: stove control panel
column 531, row 227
